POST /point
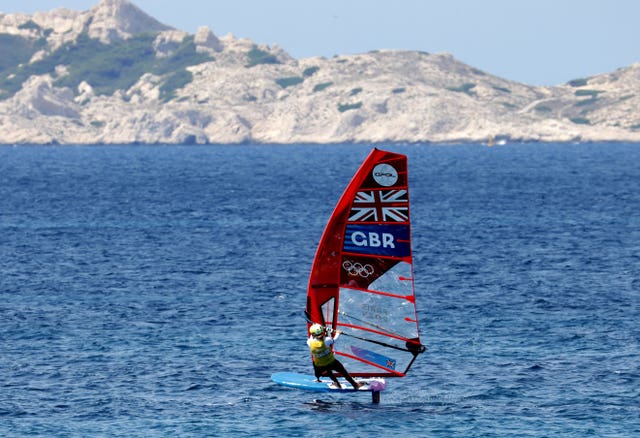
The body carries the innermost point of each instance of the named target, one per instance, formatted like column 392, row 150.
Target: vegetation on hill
column 321, row 86
column 258, row 56
column 16, row 50
column 106, row 67
column 466, row 88
column 289, row 81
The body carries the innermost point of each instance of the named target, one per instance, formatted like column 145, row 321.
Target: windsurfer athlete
column 324, row 362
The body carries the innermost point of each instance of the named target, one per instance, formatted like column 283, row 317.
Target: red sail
column 361, row 280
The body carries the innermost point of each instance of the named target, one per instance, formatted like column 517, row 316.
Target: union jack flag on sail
column 380, row 206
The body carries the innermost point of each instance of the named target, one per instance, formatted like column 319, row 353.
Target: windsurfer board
column 310, row 383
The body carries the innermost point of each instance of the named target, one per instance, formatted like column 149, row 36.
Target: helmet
column 316, row 329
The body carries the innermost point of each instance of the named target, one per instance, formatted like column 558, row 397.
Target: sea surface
column 152, row 291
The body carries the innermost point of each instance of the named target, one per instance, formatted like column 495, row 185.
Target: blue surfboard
column 305, row 381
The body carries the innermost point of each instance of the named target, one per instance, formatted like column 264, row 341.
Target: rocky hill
column 114, row 75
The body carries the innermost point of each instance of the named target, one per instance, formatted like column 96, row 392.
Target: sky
column 536, row 42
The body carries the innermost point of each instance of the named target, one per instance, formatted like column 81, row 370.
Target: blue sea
column 152, row 291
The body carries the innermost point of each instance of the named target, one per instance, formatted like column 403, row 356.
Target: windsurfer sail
column 361, row 280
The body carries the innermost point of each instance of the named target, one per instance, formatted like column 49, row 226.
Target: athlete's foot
column 335, row 385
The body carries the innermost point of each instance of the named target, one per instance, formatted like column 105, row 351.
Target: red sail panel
column 361, row 280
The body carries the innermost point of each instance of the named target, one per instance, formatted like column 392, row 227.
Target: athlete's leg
column 337, row 365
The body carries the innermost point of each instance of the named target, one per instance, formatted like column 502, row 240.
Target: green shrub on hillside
column 106, row 67
column 466, row 88
column 289, row 81
column 257, row 57
column 577, row 82
column 342, row 107
column 15, row 50
column 542, row 108
column 310, row 71
column 591, row 93
column 502, row 89
column 581, row 121
column 173, row 82
column 585, row 102
column 30, row 24
column 184, row 56
column 321, row 86
column 15, row 53
column 115, row 66
column 592, row 97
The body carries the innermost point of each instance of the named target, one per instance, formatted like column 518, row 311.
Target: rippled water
column 151, row 291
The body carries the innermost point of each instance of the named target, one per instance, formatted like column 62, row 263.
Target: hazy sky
column 538, row 42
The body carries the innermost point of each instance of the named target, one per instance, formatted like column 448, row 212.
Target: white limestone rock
column 39, row 97
column 114, row 20
column 206, row 41
column 168, row 41
column 85, row 93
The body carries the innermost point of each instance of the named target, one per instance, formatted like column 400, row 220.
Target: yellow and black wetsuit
column 324, row 362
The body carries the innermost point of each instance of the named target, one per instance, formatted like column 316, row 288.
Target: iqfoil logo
column 385, row 175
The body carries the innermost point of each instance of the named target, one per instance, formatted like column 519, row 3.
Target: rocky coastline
column 235, row 91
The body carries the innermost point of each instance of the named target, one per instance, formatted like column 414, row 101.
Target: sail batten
column 362, row 279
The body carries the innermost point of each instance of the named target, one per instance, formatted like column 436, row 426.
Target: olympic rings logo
column 357, row 269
